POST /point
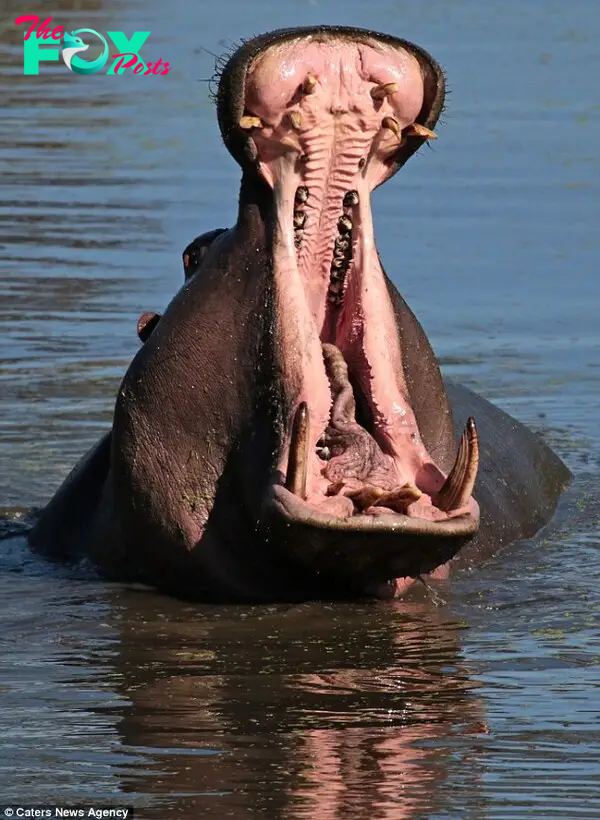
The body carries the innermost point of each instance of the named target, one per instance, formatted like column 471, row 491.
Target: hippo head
column 317, row 118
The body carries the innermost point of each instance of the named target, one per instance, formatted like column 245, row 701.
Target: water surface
column 483, row 704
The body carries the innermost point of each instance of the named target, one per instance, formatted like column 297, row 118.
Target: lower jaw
column 372, row 555
column 296, row 511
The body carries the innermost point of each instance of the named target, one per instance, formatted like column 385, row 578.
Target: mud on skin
column 284, row 431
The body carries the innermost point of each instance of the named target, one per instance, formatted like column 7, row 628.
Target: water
column 484, row 705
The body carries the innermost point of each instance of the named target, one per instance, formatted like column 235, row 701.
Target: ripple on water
column 485, row 706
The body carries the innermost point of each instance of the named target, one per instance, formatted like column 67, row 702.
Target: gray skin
column 177, row 493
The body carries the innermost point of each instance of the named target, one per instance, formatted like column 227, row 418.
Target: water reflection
column 316, row 710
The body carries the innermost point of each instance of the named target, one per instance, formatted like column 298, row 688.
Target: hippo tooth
column 344, row 224
column 351, row 199
column 458, row 487
column 400, row 498
column 383, row 90
column 309, row 84
column 295, row 120
column 295, row 480
column 416, row 130
column 392, row 125
column 302, row 194
column 299, row 219
column 366, row 497
column 247, row 122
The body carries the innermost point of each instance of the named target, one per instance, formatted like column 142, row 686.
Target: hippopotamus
column 284, row 432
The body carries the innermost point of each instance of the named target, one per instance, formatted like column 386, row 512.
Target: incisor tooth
column 309, row 84
column 392, row 125
column 335, row 488
column 247, row 122
column 366, row 497
column 416, row 130
column 295, row 120
column 400, row 498
column 295, row 480
column 383, row 90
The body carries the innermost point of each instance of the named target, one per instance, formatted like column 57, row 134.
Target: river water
column 481, row 703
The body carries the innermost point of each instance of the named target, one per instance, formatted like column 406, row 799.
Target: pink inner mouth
column 327, row 116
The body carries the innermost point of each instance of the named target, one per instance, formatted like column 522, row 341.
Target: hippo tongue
column 356, row 467
column 355, row 457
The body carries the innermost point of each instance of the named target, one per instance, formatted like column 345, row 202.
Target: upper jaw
column 231, row 96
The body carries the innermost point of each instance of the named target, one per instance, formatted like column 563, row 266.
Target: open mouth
column 327, row 116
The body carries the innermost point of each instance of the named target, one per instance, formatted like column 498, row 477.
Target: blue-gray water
column 486, row 706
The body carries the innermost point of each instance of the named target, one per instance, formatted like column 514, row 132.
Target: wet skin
column 284, row 432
